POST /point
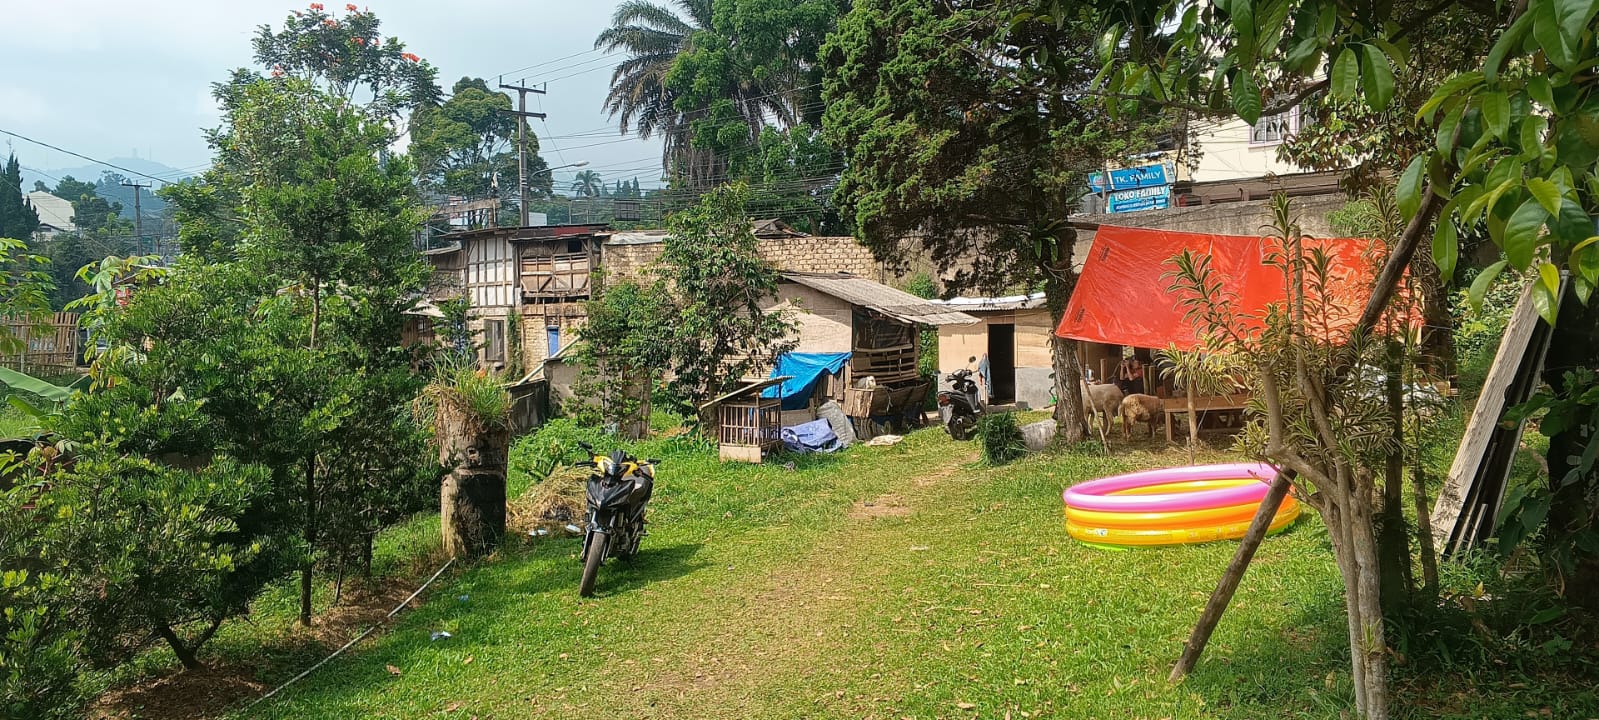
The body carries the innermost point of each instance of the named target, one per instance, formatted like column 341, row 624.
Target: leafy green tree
column 756, row 61
column 949, row 140
column 461, row 145
column 624, row 345
column 153, row 550
column 18, row 219
column 588, row 184
column 336, row 223
column 342, row 57
column 722, row 331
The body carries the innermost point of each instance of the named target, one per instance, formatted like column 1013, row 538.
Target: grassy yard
column 894, row 582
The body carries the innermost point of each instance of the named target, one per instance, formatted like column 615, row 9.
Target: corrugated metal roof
column 990, row 304
column 896, row 304
column 53, row 211
column 640, row 237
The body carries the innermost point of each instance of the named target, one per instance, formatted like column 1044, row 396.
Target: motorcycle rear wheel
column 591, row 563
column 960, row 427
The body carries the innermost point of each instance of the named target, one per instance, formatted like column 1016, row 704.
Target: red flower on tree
column 411, row 56
column 360, row 40
column 316, row 6
column 330, row 23
column 350, row 8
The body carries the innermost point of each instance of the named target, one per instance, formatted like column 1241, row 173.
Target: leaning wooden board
column 1469, row 501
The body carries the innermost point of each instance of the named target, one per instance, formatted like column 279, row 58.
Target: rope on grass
column 358, row 638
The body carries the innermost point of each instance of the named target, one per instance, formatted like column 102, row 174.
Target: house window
column 1273, row 129
column 493, row 342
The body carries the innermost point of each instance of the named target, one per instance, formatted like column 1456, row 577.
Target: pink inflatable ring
column 1103, row 494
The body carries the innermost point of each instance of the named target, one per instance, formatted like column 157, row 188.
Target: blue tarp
column 814, row 436
column 803, row 370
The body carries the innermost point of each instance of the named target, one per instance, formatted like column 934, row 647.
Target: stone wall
column 803, row 254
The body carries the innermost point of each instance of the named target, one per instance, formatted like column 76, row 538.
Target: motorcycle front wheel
column 591, row 563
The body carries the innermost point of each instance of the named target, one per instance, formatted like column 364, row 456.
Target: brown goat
column 1141, row 408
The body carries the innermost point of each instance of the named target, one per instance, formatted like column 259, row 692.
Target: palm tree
column 654, row 36
column 587, row 184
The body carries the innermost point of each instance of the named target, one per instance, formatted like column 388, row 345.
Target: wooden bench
column 1206, row 403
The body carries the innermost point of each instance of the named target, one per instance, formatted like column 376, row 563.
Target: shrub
column 39, row 662
column 1001, row 438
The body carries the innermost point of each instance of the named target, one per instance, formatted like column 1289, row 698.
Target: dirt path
column 791, row 627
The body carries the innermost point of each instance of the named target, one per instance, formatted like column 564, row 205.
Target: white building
column 55, row 214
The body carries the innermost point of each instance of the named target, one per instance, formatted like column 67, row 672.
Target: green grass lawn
column 775, row 593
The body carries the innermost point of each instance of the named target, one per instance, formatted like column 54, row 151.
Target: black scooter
column 959, row 407
column 618, row 492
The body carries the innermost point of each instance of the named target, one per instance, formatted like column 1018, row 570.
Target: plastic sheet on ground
column 814, row 436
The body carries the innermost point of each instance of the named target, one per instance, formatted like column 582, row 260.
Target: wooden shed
column 877, row 325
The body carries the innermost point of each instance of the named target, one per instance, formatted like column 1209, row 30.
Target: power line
column 81, row 155
column 559, row 59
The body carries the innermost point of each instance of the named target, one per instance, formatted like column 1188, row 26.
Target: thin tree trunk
column 1372, row 652
column 186, row 654
column 308, row 566
column 1429, row 554
column 1193, row 423
column 1223, row 595
column 1394, row 541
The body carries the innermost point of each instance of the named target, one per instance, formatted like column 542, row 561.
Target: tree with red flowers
column 346, row 57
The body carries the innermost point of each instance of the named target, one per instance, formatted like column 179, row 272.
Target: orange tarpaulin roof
column 1122, row 298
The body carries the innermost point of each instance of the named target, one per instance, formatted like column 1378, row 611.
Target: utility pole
column 138, row 217
column 522, row 115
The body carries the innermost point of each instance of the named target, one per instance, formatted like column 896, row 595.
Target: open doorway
column 1002, row 361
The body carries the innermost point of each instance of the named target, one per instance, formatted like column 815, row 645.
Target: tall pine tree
column 18, row 219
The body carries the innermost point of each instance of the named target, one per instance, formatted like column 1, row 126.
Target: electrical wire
column 85, row 157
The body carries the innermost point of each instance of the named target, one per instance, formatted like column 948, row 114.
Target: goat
column 1102, row 400
column 1141, row 408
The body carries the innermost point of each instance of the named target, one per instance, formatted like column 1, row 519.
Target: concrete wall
column 1234, row 218
column 826, row 323
column 1228, row 150
column 958, row 343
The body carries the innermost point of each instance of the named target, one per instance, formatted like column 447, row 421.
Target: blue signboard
column 1143, row 176
column 1150, row 198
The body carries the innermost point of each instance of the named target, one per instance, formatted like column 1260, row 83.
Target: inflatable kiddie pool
column 1173, row 506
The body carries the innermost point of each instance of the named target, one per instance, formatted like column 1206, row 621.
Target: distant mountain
column 151, row 204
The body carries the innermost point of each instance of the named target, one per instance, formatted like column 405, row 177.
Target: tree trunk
column 309, row 565
column 1393, row 539
column 1371, row 653
column 472, row 496
column 1437, row 336
column 1223, row 595
column 1070, row 415
column 186, row 654
column 1575, row 344
column 1193, row 423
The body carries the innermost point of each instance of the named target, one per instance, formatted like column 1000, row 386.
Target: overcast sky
column 133, row 79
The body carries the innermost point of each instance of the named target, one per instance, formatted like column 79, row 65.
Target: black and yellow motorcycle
column 619, row 490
